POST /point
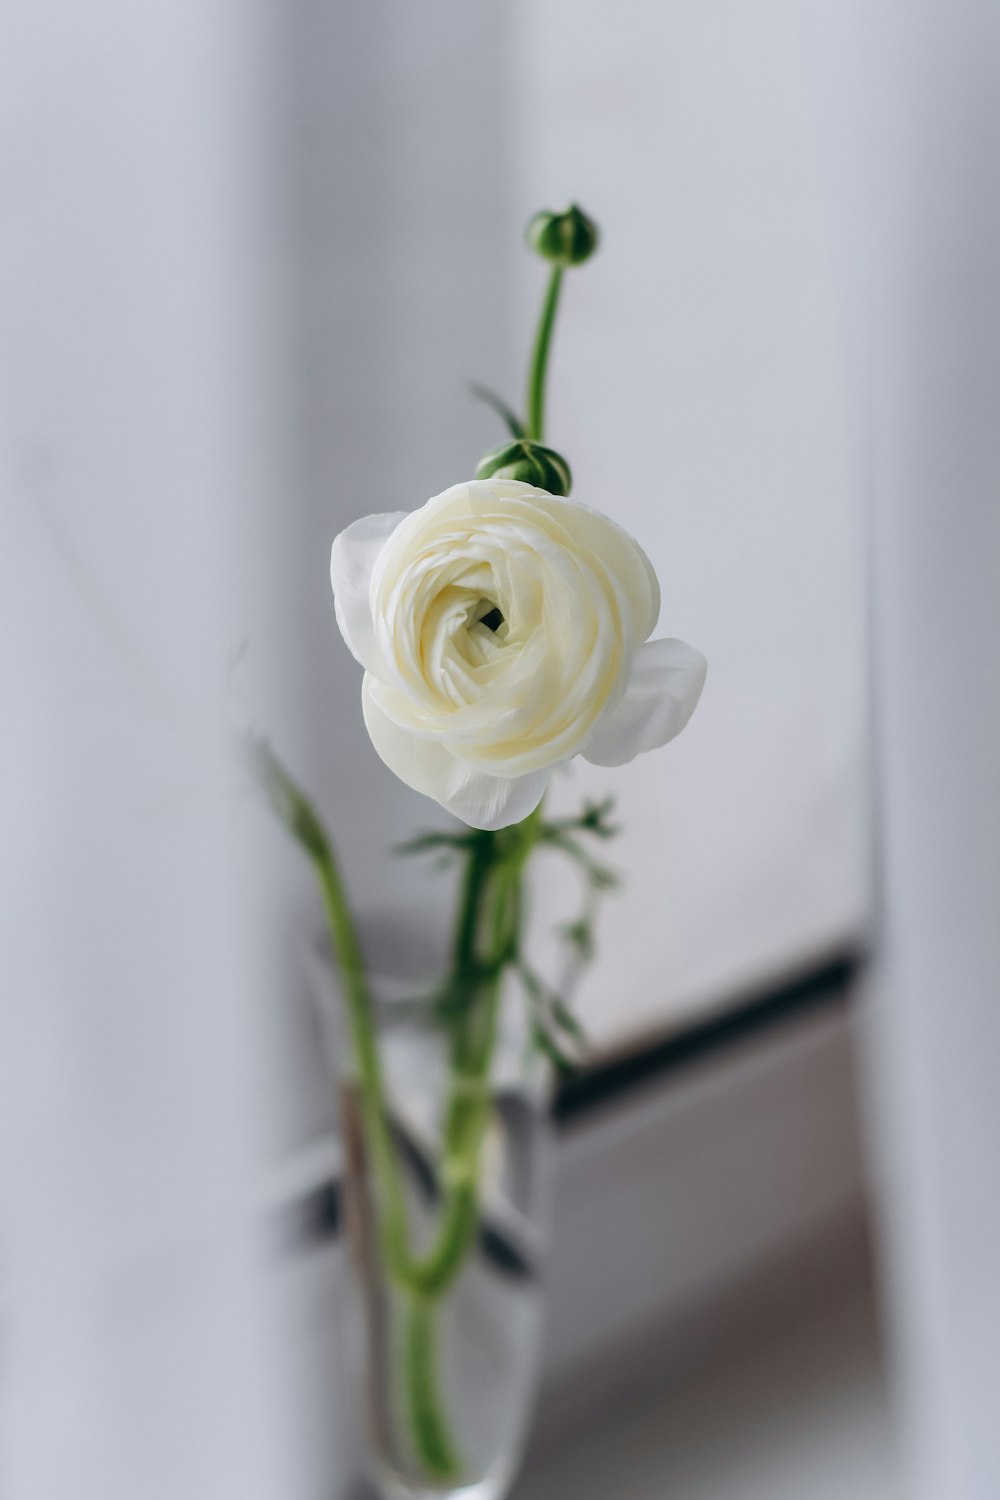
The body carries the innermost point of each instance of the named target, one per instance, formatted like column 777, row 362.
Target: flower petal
column 591, row 532
column 352, row 559
column 622, row 554
column 662, row 694
column 476, row 797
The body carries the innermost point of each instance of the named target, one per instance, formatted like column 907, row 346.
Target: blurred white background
column 253, row 255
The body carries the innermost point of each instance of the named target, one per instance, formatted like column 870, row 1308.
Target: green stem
column 495, row 869
column 418, row 1281
column 296, row 812
column 538, row 369
column 468, row 1110
column 431, row 1437
column 466, row 1122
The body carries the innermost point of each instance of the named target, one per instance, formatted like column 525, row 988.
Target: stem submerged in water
column 432, row 1439
column 493, row 882
column 491, row 901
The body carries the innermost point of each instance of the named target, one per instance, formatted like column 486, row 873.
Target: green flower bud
column 567, row 239
column 529, row 462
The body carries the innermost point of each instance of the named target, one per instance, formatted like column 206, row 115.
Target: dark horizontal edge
column 316, row 1217
column 828, row 984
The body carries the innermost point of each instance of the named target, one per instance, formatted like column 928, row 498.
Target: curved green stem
column 493, row 880
column 538, row 369
column 393, row 1230
column 420, row 1281
column 306, row 827
column 494, row 874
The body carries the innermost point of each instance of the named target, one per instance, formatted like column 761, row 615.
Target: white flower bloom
column 504, row 630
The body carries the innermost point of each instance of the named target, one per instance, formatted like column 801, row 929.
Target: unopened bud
column 531, row 463
column 566, row 239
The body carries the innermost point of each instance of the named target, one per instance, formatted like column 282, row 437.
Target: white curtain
column 139, row 462
column 931, row 175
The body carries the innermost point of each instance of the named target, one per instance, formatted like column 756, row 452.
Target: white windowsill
column 797, row 1415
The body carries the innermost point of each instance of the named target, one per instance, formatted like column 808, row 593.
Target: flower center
column 486, row 625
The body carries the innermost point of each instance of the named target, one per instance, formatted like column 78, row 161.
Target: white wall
column 934, row 199
column 699, row 386
column 141, row 453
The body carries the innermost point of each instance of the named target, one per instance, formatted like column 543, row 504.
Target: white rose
column 504, row 630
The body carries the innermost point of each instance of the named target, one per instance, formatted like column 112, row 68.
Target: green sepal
column 566, row 239
column 529, row 462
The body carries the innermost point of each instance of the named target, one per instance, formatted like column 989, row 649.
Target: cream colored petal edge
column 478, row 798
column 662, row 694
column 352, row 558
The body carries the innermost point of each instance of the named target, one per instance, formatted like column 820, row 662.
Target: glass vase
column 445, row 1199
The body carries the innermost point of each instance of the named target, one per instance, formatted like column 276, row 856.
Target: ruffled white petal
column 588, row 531
column 478, row 798
column 662, row 694
column 355, row 552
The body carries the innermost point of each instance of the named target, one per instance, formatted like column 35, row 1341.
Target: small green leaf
column 600, row 877
column 425, row 842
column 551, row 1049
column 565, row 1018
column 289, row 803
column 594, row 819
column 506, row 413
column 580, row 936
column 532, row 984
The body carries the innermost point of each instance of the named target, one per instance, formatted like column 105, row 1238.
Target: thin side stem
column 297, row 813
column 394, row 1233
